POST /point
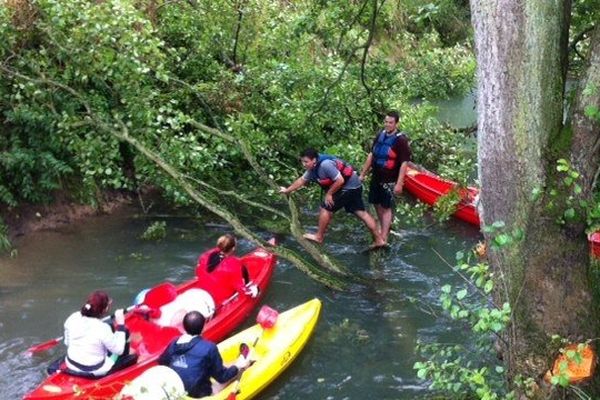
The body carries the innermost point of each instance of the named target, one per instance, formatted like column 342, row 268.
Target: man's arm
column 335, row 186
column 298, row 183
column 400, row 182
column 165, row 357
column 366, row 167
column 219, row 372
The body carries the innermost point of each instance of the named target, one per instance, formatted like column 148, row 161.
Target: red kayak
column 429, row 187
column 594, row 239
column 149, row 336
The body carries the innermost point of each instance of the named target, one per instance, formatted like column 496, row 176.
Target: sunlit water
column 364, row 343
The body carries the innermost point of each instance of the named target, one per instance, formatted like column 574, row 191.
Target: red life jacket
column 208, row 261
column 345, row 169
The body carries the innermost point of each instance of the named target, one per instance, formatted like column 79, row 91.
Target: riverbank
column 28, row 218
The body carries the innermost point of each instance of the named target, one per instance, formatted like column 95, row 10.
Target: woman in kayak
column 222, row 274
column 92, row 346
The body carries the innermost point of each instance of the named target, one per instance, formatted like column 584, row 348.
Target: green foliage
column 447, row 205
column 460, row 371
column 291, row 78
column 565, row 200
column 156, row 231
column 501, row 237
column 5, row 244
column 585, row 15
column 448, row 18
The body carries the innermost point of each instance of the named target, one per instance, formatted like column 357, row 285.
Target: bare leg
column 325, row 217
column 370, row 223
column 385, row 216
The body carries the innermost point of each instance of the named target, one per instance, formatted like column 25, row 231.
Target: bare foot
column 377, row 245
column 312, row 237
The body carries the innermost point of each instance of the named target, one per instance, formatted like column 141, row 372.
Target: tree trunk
column 521, row 52
column 585, row 154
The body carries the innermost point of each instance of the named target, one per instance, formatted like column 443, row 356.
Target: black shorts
column 382, row 194
column 350, row 199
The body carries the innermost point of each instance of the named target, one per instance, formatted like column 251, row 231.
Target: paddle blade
column 267, row 317
column 43, row 346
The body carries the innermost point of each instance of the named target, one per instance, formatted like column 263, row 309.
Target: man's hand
column 283, row 190
column 252, row 290
column 362, row 177
column 328, row 200
column 398, row 189
column 242, row 363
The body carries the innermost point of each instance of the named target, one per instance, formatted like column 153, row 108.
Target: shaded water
column 364, row 343
column 458, row 112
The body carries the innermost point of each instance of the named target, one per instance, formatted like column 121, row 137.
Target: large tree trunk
column 521, row 52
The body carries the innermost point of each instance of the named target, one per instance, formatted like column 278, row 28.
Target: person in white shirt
column 93, row 349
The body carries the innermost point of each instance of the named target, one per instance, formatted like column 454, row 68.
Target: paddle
column 53, row 342
column 266, row 318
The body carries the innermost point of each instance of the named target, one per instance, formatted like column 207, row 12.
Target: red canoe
column 429, row 187
column 594, row 239
column 148, row 339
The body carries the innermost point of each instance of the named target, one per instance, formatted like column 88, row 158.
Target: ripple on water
column 20, row 372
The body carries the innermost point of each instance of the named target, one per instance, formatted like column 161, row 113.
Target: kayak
column 272, row 350
column 429, row 187
column 594, row 239
column 154, row 328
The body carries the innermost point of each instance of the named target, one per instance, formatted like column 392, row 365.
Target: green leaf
column 502, row 239
column 569, row 213
column 592, row 111
column 461, row 294
column 498, row 224
column 489, row 285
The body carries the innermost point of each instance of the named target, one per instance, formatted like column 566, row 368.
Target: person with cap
column 196, row 360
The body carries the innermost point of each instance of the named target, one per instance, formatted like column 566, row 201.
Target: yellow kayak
column 275, row 349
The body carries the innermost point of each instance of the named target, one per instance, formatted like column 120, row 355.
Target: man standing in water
column 342, row 189
column 388, row 160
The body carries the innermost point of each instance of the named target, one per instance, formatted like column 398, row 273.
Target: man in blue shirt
column 342, row 189
column 197, row 360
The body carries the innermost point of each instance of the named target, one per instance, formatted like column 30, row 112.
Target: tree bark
column 522, row 60
column 585, row 153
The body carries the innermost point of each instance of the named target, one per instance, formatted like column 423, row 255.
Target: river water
column 363, row 345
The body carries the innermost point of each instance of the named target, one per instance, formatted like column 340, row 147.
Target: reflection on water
column 364, row 343
column 458, row 112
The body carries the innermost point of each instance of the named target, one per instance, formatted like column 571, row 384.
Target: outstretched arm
column 298, row 183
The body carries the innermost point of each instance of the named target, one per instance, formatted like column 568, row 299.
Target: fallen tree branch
column 333, row 275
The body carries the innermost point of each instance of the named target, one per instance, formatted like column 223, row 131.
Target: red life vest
column 345, row 169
